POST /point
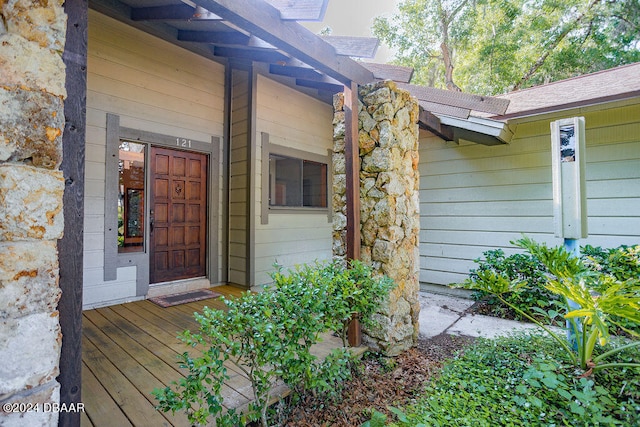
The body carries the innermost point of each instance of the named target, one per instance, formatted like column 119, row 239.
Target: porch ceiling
column 258, row 31
column 266, row 32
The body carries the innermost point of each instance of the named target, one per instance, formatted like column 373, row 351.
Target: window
column 131, row 194
column 296, row 182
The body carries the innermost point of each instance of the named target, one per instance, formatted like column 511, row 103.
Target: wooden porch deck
column 130, row 349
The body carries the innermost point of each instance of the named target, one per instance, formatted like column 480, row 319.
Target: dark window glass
column 297, row 182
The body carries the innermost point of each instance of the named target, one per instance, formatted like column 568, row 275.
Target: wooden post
column 70, row 247
column 352, row 160
column 354, row 332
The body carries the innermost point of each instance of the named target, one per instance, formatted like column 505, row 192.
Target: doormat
column 184, row 297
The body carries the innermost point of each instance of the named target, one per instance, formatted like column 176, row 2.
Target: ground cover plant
column 268, row 336
column 523, row 380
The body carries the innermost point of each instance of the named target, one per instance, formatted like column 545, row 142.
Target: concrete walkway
column 447, row 314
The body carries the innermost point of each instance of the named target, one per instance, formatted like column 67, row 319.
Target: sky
column 355, row 18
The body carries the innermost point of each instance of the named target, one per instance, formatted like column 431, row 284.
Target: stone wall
column 32, row 76
column 389, row 204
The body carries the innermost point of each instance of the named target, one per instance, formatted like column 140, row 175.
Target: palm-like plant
column 588, row 314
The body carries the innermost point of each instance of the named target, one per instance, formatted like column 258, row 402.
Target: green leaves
column 268, row 336
column 572, row 280
column 524, row 379
column 199, row 392
column 499, row 46
column 596, row 294
column 493, row 282
column 518, row 278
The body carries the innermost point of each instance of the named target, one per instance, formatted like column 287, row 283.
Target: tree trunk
column 448, row 68
column 445, row 48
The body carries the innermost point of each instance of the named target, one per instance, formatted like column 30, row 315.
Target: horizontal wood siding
column 238, row 177
column 475, row 198
column 153, row 86
column 293, row 120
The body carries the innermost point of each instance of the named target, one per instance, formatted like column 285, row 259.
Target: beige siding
column 240, row 122
column 153, row 86
column 475, row 198
column 293, row 120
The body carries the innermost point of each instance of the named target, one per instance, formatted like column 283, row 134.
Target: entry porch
column 130, row 349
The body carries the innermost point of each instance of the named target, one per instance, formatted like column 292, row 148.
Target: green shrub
column 525, row 380
column 621, row 263
column 268, row 336
column 590, row 315
column 355, row 291
column 519, row 267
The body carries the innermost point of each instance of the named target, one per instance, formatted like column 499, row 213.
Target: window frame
column 269, row 149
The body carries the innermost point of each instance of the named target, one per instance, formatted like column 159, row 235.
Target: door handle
column 151, row 220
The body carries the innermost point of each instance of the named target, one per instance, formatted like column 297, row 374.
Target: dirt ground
column 382, row 382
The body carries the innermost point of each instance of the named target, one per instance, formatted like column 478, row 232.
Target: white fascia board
column 493, row 129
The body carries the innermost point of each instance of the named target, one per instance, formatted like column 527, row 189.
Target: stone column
column 32, row 90
column 389, row 204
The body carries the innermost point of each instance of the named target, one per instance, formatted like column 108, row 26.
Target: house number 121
column 183, row 142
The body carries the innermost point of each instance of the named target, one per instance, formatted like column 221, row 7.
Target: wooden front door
column 178, row 215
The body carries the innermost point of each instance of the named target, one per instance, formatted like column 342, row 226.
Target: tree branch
column 552, row 46
column 457, row 10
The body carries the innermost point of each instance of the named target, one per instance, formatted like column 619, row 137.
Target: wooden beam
column 259, row 43
column 122, row 12
column 297, row 72
column 487, row 104
column 300, row 10
column 70, row 247
column 323, row 96
column 263, row 20
column 173, row 12
column 352, row 158
column 214, row 37
column 320, row 85
column 432, row 123
column 260, row 55
column 360, row 47
column 263, row 68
